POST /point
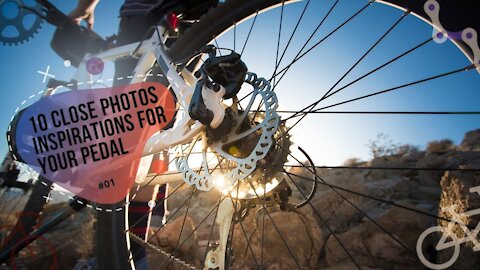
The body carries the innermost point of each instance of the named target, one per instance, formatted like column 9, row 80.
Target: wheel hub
column 245, row 147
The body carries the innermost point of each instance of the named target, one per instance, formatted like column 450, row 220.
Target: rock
column 427, row 193
column 299, row 230
column 348, row 265
column 63, row 246
column 201, row 205
column 173, row 238
column 471, row 141
column 373, row 248
column 431, row 160
column 441, row 146
column 455, row 192
column 344, row 216
column 393, row 161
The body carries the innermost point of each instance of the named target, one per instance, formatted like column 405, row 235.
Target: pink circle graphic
column 95, row 65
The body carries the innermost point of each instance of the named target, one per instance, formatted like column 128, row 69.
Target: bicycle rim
column 225, row 21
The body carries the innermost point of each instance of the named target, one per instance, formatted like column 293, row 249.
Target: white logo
column 449, row 239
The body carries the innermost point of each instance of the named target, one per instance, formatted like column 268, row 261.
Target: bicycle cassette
column 15, row 27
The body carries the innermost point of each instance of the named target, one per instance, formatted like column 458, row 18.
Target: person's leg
column 131, row 29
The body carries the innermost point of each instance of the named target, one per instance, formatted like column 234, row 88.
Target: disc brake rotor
column 243, row 166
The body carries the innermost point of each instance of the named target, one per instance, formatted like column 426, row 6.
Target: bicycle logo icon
column 448, row 238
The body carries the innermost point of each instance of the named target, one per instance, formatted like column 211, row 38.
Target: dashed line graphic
column 137, row 188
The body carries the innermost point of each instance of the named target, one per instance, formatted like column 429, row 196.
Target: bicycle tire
column 111, row 250
column 212, row 24
column 29, row 216
column 456, row 16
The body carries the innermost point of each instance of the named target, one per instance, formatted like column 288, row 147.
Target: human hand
column 84, row 11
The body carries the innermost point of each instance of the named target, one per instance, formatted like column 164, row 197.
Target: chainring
column 267, row 129
column 18, row 22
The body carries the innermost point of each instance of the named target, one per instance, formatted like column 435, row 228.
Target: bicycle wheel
column 257, row 229
column 437, row 231
column 21, row 202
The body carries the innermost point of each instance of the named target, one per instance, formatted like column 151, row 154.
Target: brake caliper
column 221, row 77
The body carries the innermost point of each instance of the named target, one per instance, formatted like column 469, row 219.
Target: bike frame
column 150, row 51
column 471, row 236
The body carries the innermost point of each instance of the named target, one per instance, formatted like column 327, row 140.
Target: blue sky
column 19, row 64
column 331, row 138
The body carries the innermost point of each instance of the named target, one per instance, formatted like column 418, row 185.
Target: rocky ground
column 377, row 234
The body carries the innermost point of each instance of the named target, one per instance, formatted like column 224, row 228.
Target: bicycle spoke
column 249, row 32
column 263, row 228
column 372, row 197
column 185, row 218
column 312, row 34
column 388, row 168
column 277, row 51
column 155, row 207
column 169, row 219
column 200, row 223
column 161, row 227
column 273, row 223
column 191, row 234
column 172, row 215
column 232, row 228
column 210, row 236
column 305, row 44
column 234, row 36
column 312, row 106
column 300, row 56
column 283, row 64
column 140, row 189
column 279, row 37
column 373, row 71
column 218, row 46
column 291, row 36
column 146, row 185
column 382, row 112
column 171, row 194
column 328, row 227
column 467, row 68
column 358, row 209
column 216, row 213
column 243, row 229
column 404, row 15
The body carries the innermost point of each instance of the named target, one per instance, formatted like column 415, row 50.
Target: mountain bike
column 229, row 117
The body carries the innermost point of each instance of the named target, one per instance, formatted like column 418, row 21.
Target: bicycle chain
column 468, row 35
column 164, row 253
